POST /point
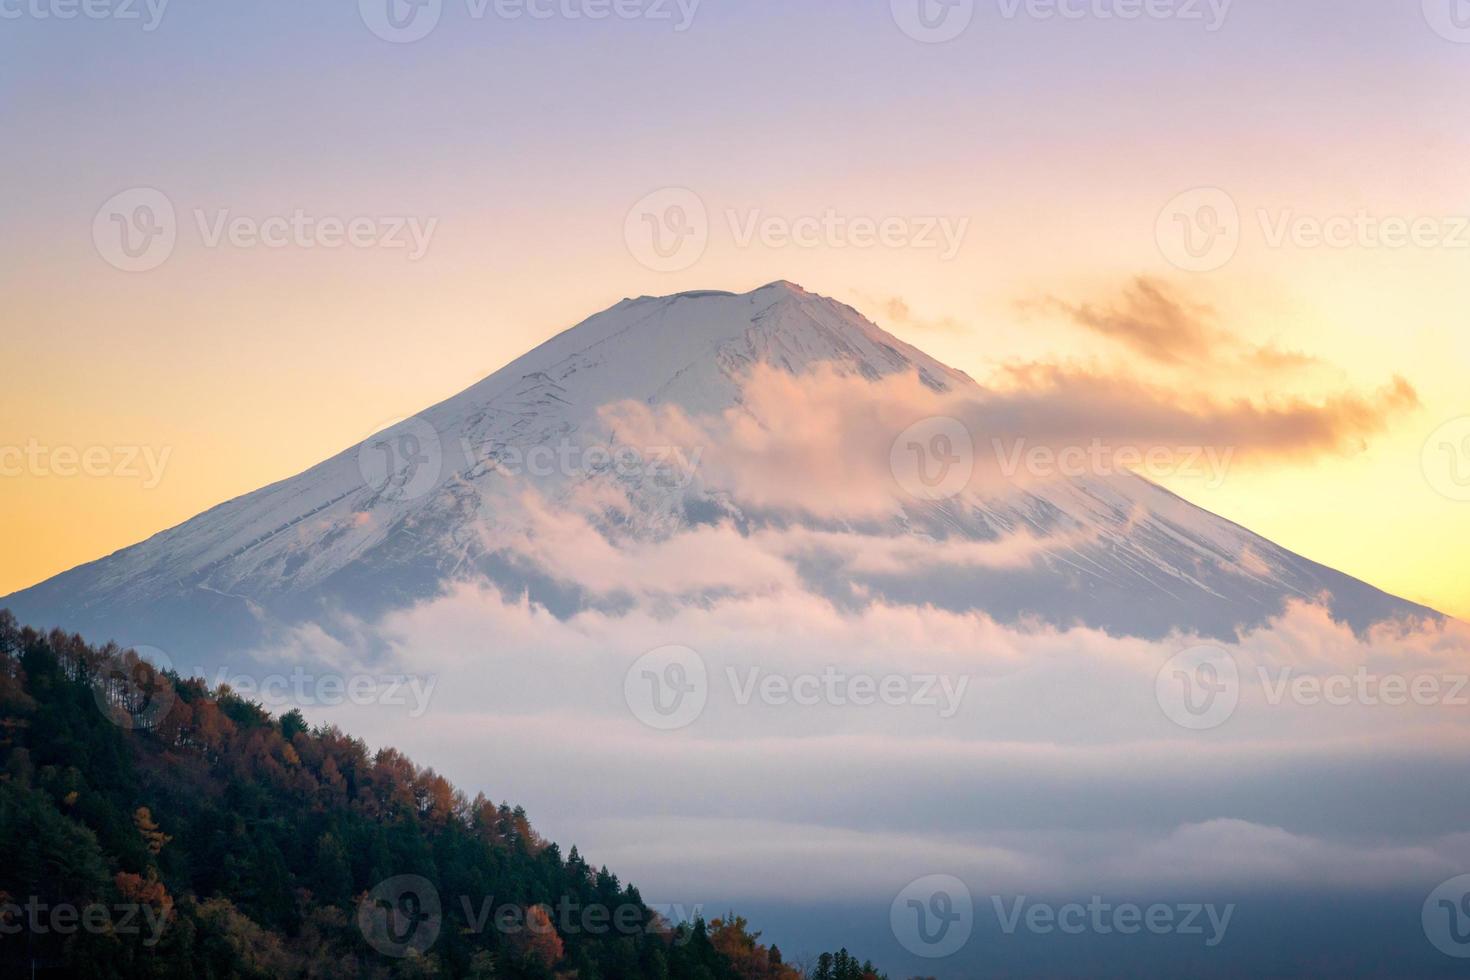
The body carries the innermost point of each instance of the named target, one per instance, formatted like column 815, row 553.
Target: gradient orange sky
column 1059, row 142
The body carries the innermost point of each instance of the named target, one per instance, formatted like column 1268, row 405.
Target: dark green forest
column 154, row 827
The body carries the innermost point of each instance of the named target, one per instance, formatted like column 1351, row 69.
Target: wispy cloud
column 821, row 443
column 898, row 312
column 1154, row 322
column 1048, row 401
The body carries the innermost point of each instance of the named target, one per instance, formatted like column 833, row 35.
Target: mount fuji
column 441, row 499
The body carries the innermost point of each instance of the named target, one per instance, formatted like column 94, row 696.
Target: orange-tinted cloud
column 822, row 443
column 897, row 311
column 1052, row 403
column 1150, row 320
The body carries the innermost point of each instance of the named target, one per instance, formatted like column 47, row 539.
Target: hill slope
column 152, row 827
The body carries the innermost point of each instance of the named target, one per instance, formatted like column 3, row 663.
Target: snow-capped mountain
column 441, row 498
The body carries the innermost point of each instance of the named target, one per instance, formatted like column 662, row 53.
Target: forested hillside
column 152, row 827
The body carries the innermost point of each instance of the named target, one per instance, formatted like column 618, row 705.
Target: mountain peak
column 781, row 286
column 692, row 349
column 346, row 535
column 784, row 285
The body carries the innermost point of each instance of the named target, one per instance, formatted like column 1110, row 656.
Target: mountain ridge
column 370, row 529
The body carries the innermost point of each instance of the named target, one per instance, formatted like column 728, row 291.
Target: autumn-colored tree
column 732, row 938
column 537, row 941
column 152, row 836
column 390, row 783
column 434, row 797
column 140, row 890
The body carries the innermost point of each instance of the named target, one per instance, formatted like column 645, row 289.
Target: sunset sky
column 1060, row 145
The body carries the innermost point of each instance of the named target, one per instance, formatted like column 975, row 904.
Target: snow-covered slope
column 435, row 500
